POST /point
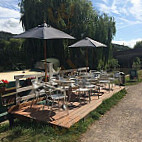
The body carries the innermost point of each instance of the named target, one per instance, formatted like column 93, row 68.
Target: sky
column 127, row 14
column 128, row 17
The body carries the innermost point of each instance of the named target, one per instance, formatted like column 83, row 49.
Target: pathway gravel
column 123, row 123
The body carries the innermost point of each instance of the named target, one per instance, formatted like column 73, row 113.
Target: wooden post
column 0, row 99
column 45, row 63
column 11, row 120
column 86, row 58
column 36, row 78
column 17, row 86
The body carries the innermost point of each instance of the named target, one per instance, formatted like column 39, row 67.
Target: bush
column 136, row 63
column 112, row 64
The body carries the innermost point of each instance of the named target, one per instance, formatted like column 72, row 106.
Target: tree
column 112, row 64
column 138, row 44
column 10, row 54
column 77, row 18
column 136, row 63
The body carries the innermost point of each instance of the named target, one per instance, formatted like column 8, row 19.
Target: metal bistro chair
column 54, row 96
column 38, row 89
column 82, row 91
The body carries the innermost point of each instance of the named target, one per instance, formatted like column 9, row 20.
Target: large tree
column 138, row 44
column 76, row 17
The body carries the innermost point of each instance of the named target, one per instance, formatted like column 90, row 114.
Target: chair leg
column 51, row 109
column 89, row 96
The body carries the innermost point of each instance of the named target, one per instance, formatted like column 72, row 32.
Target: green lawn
column 38, row 132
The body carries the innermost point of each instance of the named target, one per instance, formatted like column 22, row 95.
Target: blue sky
column 128, row 17
column 127, row 14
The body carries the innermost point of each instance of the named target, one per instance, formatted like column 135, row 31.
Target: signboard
column 133, row 74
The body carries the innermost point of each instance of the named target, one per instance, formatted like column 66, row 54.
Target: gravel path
column 123, row 123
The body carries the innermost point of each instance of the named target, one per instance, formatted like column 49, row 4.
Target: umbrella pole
column 45, row 63
column 86, row 59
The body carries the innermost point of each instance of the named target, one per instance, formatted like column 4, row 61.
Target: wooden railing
column 11, row 95
column 20, row 89
column 74, row 70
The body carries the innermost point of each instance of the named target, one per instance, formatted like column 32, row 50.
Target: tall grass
column 39, row 132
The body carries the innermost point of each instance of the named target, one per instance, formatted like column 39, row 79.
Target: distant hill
column 117, row 47
column 5, row 35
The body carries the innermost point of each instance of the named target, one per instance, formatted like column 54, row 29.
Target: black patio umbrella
column 44, row 32
column 87, row 42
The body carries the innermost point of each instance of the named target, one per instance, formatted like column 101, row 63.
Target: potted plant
column 3, row 85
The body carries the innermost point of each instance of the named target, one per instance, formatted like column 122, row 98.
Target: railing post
column 36, row 78
column 17, row 86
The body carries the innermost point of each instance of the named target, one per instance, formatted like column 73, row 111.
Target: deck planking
column 64, row 118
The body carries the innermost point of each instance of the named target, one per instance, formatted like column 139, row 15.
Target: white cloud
column 11, row 4
column 129, row 43
column 136, row 9
column 108, row 9
column 123, row 23
column 103, row 7
column 9, row 20
column 9, row 13
column 123, row 8
column 105, row 1
column 11, row 25
column 114, row 7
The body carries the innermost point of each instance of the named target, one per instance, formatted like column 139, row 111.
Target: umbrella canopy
column 44, row 32
column 88, row 42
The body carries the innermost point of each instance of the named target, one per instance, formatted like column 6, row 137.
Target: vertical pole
column 0, row 99
column 45, row 63
column 86, row 59
column 17, row 86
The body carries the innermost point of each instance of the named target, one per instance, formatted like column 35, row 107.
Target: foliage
column 11, row 54
column 5, row 35
column 117, row 47
column 136, row 63
column 138, row 44
column 35, row 132
column 112, row 64
column 75, row 17
column 100, row 65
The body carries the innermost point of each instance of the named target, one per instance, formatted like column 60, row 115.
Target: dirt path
column 123, row 123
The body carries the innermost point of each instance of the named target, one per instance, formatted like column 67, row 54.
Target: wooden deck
column 61, row 117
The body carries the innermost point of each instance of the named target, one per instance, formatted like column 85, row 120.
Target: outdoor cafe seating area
column 66, row 93
column 73, row 86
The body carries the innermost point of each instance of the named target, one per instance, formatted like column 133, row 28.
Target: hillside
column 5, row 35
column 117, row 47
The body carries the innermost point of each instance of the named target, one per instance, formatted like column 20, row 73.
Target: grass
column 39, row 132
